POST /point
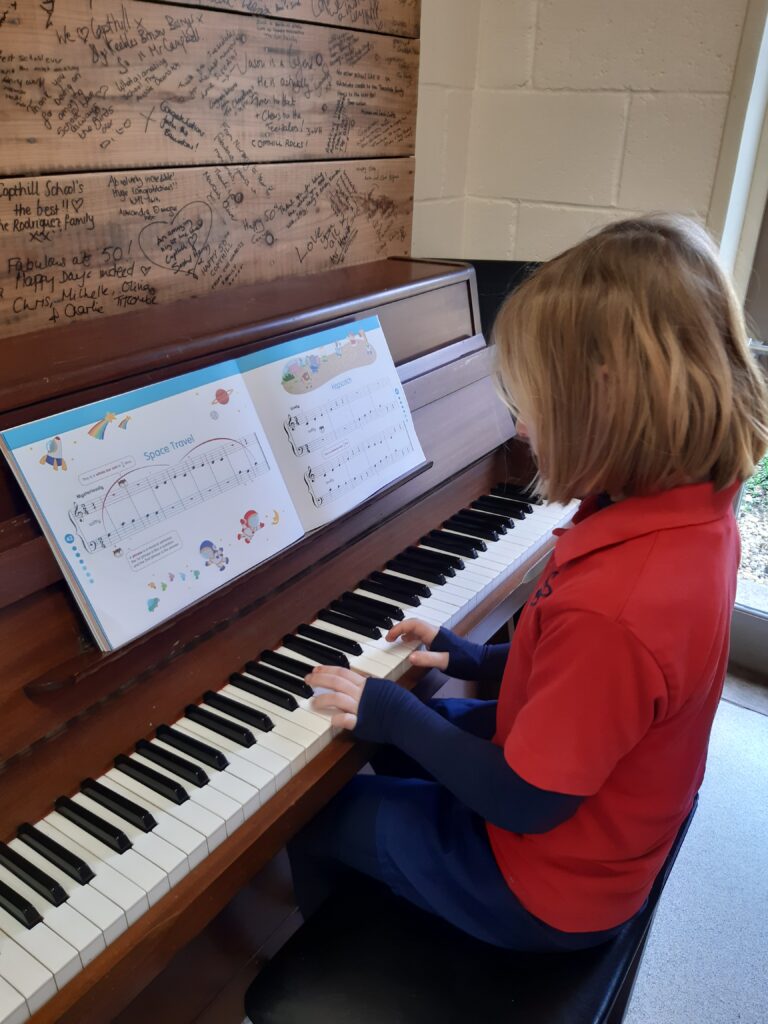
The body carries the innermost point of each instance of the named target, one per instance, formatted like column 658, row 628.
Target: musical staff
column 148, row 496
column 339, row 417
column 357, row 463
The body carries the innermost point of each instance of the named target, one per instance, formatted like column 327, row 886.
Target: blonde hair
column 628, row 357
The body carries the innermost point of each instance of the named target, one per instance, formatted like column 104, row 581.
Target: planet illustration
column 222, row 396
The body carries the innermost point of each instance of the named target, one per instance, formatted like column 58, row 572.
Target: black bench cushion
column 368, row 957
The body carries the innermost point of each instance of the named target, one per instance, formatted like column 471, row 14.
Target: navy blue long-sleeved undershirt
column 467, row 763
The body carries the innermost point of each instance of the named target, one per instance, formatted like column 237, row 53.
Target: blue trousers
column 402, row 828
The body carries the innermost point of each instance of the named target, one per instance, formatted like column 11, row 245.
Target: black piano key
column 502, row 506
column 95, row 826
column 193, row 747
column 472, row 529
column 291, row 684
column 392, row 611
column 323, row 655
column 383, row 590
column 159, row 783
column 344, row 622
column 474, row 544
column 407, row 586
column 119, row 804
column 465, row 546
column 322, row 636
column 522, row 504
column 292, row 666
column 72, row 866
column 279, row 698
column 493, row 516
column 187, row 770
column 498, row 523
column 440, row 561
column 242, row 712
column 356, row 611
column 410, row 567
column 18, row 907
column 30, row 873
column 517, row 493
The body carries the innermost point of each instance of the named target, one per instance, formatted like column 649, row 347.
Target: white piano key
column 130, row 864
column 306, row 720
column 170, row 859
column 276, row 765
column 48, row 948
column 13, row 1005
column 210, row 826
column 284, row 727
column 93, row 905
column 292, row 752
column 64, row 920
column 131, row 898
column 371, row 648
column 25, row 974
column 177, row 833
column 217, row 803
column 248, row 797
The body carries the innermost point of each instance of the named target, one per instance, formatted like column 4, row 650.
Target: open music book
column 155, row 498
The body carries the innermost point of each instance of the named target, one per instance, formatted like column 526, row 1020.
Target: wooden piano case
column 67, row 709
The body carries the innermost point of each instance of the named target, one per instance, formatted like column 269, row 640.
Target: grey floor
column 707, row 958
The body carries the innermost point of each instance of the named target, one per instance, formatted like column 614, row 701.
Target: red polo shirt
column 612, row 682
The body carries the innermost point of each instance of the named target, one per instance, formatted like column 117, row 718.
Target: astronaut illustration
column 53, row 456
column 213, row 555
column 249, row 525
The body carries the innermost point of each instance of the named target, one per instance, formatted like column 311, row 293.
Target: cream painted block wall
column 541, row 120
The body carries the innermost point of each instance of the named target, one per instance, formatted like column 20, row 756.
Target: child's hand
column 345, row 688
column 421, row 632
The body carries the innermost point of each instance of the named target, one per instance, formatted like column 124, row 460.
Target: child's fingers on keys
column 336, row 684
column 320, row 675
column 344, row 720
column 429, row 659
column 339, row 701
column 412, row 629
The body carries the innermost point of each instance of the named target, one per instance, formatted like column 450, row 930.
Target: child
column 540, row 822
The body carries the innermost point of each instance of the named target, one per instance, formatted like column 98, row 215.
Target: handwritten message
column 83, row 246
column 397, row 17
column 100, row 84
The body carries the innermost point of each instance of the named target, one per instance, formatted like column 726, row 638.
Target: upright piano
column 117, row 852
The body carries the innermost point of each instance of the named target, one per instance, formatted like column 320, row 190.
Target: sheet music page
column 154, row 498
column 334, row 410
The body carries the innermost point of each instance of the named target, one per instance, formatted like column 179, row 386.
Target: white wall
column 540, row 120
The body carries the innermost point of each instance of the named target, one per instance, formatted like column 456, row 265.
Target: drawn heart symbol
column 82, row 31
column 77, row 205
column 177, row 245
column 144, row 270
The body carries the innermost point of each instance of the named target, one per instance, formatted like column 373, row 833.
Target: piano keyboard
column 74, row 881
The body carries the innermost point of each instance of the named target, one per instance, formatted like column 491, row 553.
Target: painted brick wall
column 541, row 120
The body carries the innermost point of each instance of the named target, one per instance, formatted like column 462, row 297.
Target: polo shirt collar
column 595, row 528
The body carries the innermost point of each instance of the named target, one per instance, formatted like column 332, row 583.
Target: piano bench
column 368, row 957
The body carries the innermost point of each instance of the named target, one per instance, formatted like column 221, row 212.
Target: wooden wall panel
column 102, row 84
column 396, row 17
column 85, row 246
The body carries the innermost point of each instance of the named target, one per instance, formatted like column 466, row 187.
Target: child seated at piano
column 540, row 821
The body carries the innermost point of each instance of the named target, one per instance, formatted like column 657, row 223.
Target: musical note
column 356, row 463
column 338, row 417
column 146, row 496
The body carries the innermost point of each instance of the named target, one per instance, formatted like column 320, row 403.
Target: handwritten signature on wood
column 178, row 244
